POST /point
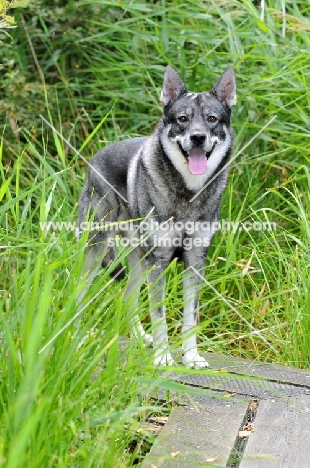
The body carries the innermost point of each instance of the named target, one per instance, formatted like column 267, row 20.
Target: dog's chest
column 182, row 210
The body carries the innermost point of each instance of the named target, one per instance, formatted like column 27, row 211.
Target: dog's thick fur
column 159, row 176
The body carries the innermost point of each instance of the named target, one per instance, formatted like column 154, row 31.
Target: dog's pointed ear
column 173, row 86
column 225, row 88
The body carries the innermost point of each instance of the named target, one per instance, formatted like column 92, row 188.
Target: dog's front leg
column 132, row 292
column 156, row 283
column 192, row 284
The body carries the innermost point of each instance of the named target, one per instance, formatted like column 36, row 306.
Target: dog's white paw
column 164, row 360
column 194, row 360
column 148, row 339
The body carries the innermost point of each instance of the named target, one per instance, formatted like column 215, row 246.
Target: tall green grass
column 99, row 79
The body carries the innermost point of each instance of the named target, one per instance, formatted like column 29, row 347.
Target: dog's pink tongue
column 197, row 162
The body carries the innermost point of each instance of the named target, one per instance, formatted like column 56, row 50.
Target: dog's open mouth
column 197, row 159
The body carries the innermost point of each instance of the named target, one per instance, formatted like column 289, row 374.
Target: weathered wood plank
column 268, row 371
column 194, row 435
column 248, row 367
column 281, row 437
column 242, row 385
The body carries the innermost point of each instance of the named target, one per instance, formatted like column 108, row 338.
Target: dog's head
column 198, row 123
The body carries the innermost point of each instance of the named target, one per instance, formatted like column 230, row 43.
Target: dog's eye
column 182, row 119
column 212, row 119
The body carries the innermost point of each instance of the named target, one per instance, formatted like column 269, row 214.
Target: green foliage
column 7, row 21
column 94, row 69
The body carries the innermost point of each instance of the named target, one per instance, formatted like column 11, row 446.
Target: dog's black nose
column 198, row 138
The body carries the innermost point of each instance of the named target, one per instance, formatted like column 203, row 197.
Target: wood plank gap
column 240, row 443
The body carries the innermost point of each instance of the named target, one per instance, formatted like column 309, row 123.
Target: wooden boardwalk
column 250, row 415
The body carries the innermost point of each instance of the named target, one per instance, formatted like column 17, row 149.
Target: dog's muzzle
column 197, row 156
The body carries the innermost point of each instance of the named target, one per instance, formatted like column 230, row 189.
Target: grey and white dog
column 155, row 179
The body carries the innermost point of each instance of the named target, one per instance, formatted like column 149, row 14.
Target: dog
column 154, row 180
